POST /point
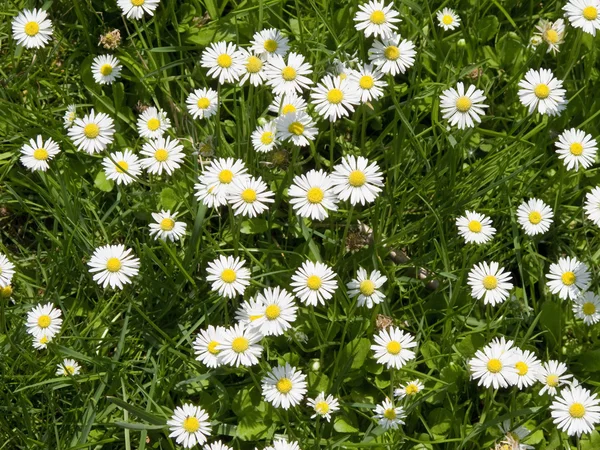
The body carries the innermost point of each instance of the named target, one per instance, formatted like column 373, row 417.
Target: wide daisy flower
column 334, row 97
column 592, row 205
column 323, row 406
column 270, row 43
column 391, row 56
column 392, row 347
column 205, row 346
column 587, row 307
column 44, row 320
column 202, row 103
column 584, row 14
column 355, row 179
column 494, row 365
column 311, row 195
column 278, row 310
column 541, row 91
column 490, row 282
column 448, row 19
column 297, row 128
column 165, row 226
column 162, row 155
column 37, row 153
column 288, row 76
column 367, row 287
column 153, row 123
column 135, row 9
column 189, row 425
column 249, row 196
column 528, row 368
column 68, row 367
column 221, row 173
column 475, row 227
column 409, row 389
column 284, row 386
column 575, row 148
column 224, row 62
column 254, row 68
column 388, row 416
column 228, row 275
column 463, row 108
column 93, row 133
column 534, row 216
column 552, row 33
column 32, row 28
column 575, row 410
column 553, row 375
column 240, row 346
column 106, row 69
column 368, row 83
column 314, row 283
column 113, row 265
column 122, row 167
column 287, row 103
column 568, row 278
column 264, row 138
column 374, row 18
column 7, row 270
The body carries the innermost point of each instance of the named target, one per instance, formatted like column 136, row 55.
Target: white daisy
column 539, row 89
column 311, row 195
column 559, row 109
column 592, row 205
column 37, row 153
column 44, row 320
column 575, row 410
column 313, row 283
column 254, row 68
column 463, row 108
column 270, row 43
column 367, row 287
column 250, row 311
column 334, row 98
column 70, row 116
column 41, row 341
column 389, row 416
column 239, row 346
column 475, row 227
column 376, row 19
column 7, row 270
column 153, row 123
column 205, row 346
column 113, row 265
column 282, row 444
column 552, row 33
column 202, row 103
column 584, row 14
column 284, row 386
column 288, row 77
column 166, row 228
column 575, row 148
column 32, row 28
column 106, row 69
column 276, row 313
column 528, row 368
column 568, row 278
column 209, row 196
column 448, row 19
column 219, row 177
column 249, row 196
column 162, row 154
column 264, row 138
column 368, row 83
column 392, row 347
column 224, row 61
column 93, row 133
column 189, row 424
column 135, row 9
column 287, row 103
column 534, row 216
column 587, row 307
column 123, row 167
column 392, row 56
column 490, row 282
column 552, row 375
column 68, row 367
column 228, row 275
column 216, row 446
column 409, row 389
column 296, row 127
column 322, row 406
column 494, row 365
column 355, row 179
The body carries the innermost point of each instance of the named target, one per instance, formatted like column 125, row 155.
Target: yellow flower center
column 167, row 224
column 576, row 149
column 44, row 321
column 394, row 347
column 315, row 195
column 69, row 370
column 322, row 407
column 296, row 128
column 367, row 287
column 284, row 385
column 113, row 265
column 392, row 53
column 535, row 217
column 122, row 166
column 588, row 308
column 522, row 368
column 91, row 130
column 335, row 96
column 552, row 380
column 447, row 19
column 378, row 17
column 32, row 28
column 313, row 282
column 6, row 291
column 411, row 389
column 577, row 410
column 153, row 124
column 542, row 91
column 41, row 154
column 551, row 36
column 463, row 104
column 228, row 276
column 161, row 155
column 272, row 312
column 267, row 138
column 366, row 82
column 225, row 176
column 224, row 61
column 590, row 13
column 357, row 178
column 190, row 424
column 203, row 103
column 490, row 282
column 249, row 195
column 390, row 414
column 44, row 340
column 212, row 348
column 289, row 108
column 253, row 64
column 288, row 73
column 475, row 226
column 106, row 69
column 494, row 365
column 240, row 344
column 568, row 278
column 270, row 45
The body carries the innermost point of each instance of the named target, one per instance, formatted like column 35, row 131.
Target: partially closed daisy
column 296, row 127
column 44, row 320
column 448, row 19
column 93, row 133
column 106, row 69
column 240, row 346
column 70, row 116
column 534, row 216
column 323, row 406
column 32, row 28
column 287, row 103
column 166, row 228
column 41, row 341
column 552, row 33
column 209, row 196
column 202, row 103
column 389, row 416
column 392, row 347
column 584, row 14
column 224, row 62
column 575, row 410
column 367, row 287
column 269, row 43
column 135, row 9
column 288, row 77
column 282, row 444
column 162, row 155
column 409, row 389
column 250, row 311
column 587, row 307
column 189, row 425
column 334, row 97
column 36, row 154
column 475, row 227
column 314, row 283
column 216, row 446
column 220, row 175
column 7, row 270
column 253, row 68
column 249, row 196
column 541, row 91
column 278, row 312
column 228, row 276
column 490, row 282
column 376, row 19
column 311, row 195
column 528, row 368
column 153, row 123
column 494, row 365
column 122, row 167
column 553, row 375
column 576, row 148
column 392, row 56
column 568, row 278
column 205, row 346
column 355, row 179
column 68, row 367
column 264, row 138
column 113, row 265
column 463, row 109
column 368, row 83
column 284, row 386
column 592, row 205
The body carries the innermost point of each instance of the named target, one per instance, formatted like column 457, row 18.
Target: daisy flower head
column 209, row 196
column 297, row 128
column 448, row 19
column 552, row 375
column 202, row 103
column 587, row 307
column 584, row 14
column 374, row 18
column 290, row 76
column 41, row 341
column 475, row 227
column 494, row 365
column 463, row 108
column 249, row 196
column 32, row 28
column 70, row 116
column 6, row 292
column 135, row 9
column 239, row 346
column 216, row 446
column 568, row 278
column 106, row 69
column 122, row 167
column 93, row 133
column 36, row 154
column 278, row 310
column 323, row 406
column 250, row 311
column 592, row 205
column 205, row 346
column 355, row 179
column 7, row 270
column 541, row 91
column 367, row 287
column 162, row 155
column 113, row 265
column 534, row 216
column 534, row 41
column 490, row 282
column 528, row 368
column 311, row 195
column 284, row 386
column 576, row 148
column 68, row 367
column 224, row 61
column 287, row 103
column 389, row 416
column 189, row 425
column 253, row 68
column 552, row 33
column 282, row 444
column 392, row 347
column 334, row 97
column 314, row 283
column 392, row 56
column 228, row 275
column 575, row 410
column 153, row 123
column 270, row 43
column 44, row 320
column 264, row 138
column 410, row 389
column 559, row 109
column 166, row 227
column 368, row 83
column 220, row 175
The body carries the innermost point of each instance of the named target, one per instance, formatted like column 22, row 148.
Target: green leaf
column 102, row 183
column 138, row 412
column 590, row 361
column 254, row 226
column 550, row 321
column 430, row 352
column 168, row 198
column 342, row 426
column 487, row 28
column 356, row 352
column 138, row 426
column 442, row 421
column 470, row 344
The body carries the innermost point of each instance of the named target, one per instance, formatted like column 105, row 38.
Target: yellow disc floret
column 535, row 217
column 253, row 64
column 568, row 278
column 335, row 96
column 41, row 154
column 463, row 104
column 367, row 287
column 490, row 282
column 272, row 312
column 313, row 282
column 240, row 344
column 121, row 166
column 44, row 321
column 576, row 149
column 249, row 195
column 588, row 308
column 106, row 69
column 378, row 17
column 32, row 28
column 225, row 176
column 270, row 45
column 228, row 276
column 296, row 128
column 203, row 103
column 190, row 424
column 590, row 13
column 284, row 385
column 366, row 82
column 153, row 124
column 577, row 410
column 357, row 178
column 392, row 53
column 315, row 195
column 113, row 265
column 475, row 226
column 167, row 224
column 91, row 130
column 224, row 61
column 394, row 347
column 494, row 365
column 161, row 155
column 288, row 73
column 522, row 368
column 542, row 91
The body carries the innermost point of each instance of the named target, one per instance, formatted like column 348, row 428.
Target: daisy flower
column 224, row 62
column 205, row 346
column 93, row 133
column 166, row 228
column 313, row 283
column 592, row 205
column 587, row 307
column 475, row 227
column 270, row 43
column 409, row 389
column 209, row 196
column 32, row 28
column 135, row 9
column 463, row 108
column 392, row 347
column 249, row 196
column 552, row 33
column 552, row 375
column 250, row 311
column 216, row 446
column 70, row 116
column 282, row 444
column 374, row 18
column 334, row 97
column 296, row 127
column 113, row 265
column 528, row 368
column 68, row 367
column 367, row 287
column 322, row 406
column 41, row 341
column 575, row 410
column 228, row 275
column 123, row 167
column 221, row 173
column 44, row 320
column 539, row 89
column 389, row 416
column 278, row 312
column 355, row 179
column 7, row 270
column 392, row 56
column 264, row 138
column 202, row 103
column 534, row 216
column 6, row 292
column 448, row 19
column 162, row 154
column 311, row 195
column 189, row 424
column 239, row 346
column 568, row 278
column 368, row 83
column 253, row 68
column 284, row 386
column 490, row 282
column 583, row 14
column 288, row 77
column 37, row 153
column 287, row 103
column 153, row 123
column 494, row 365
column 106, row 69
column 575, row 148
